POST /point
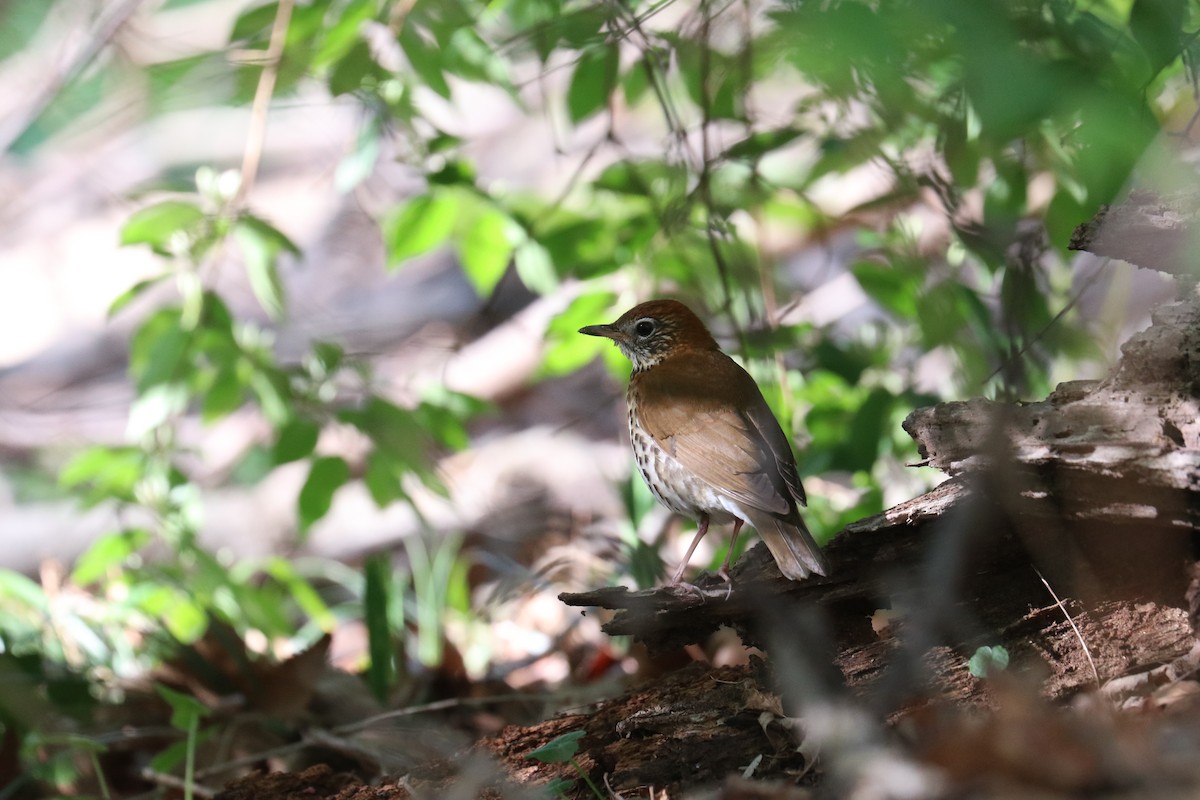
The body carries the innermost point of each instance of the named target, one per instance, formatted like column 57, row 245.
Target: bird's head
column 653, row 331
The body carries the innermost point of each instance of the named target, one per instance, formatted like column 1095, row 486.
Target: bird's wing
column 733, row 443
column 764, row 422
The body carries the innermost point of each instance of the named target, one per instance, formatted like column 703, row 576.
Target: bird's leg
column 703, row 529
column 724, row 570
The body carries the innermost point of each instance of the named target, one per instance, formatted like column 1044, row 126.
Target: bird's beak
column 607, row 331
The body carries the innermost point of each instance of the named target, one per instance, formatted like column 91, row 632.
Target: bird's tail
column 797, row 555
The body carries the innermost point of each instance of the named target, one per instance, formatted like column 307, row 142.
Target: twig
column 172, row 782
column 1012, row 359
column 257, row 135
column 253, row 758
column 438, row 705
column 334, row 738
column 1078, row 635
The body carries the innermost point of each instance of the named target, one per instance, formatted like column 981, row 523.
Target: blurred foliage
column 1013, row 121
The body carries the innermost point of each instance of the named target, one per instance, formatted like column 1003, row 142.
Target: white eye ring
column 644, row 327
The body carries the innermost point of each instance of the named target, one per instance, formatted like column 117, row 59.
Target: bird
column 705, row 440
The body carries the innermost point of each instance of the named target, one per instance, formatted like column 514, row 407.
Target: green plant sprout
column 562, row 750
column 186, row 713
column 987, row 661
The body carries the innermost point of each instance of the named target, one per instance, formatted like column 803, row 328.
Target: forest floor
column 1027, row 628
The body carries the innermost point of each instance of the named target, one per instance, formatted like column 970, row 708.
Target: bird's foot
column 723, row 572
column 681, row 587
column 704, row 593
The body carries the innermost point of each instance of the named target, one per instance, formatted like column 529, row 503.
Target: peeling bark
column 1146, row 229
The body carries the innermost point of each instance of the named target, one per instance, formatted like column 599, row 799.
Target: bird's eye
column 645, row 327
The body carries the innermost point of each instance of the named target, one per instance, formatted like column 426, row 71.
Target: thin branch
column 318, row 738
column 252, row 759
column 257, row 135
column 179, row 784
column 439, row 705
column 1086, row 652
column 1010, row 360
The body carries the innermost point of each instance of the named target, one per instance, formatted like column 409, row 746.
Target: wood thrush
column 704, row 438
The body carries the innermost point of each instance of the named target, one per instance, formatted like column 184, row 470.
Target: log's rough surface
column 1147, row 229
column 1137, row 432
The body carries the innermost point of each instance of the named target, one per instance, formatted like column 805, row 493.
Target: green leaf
column 132, row 293
column 328, row 355
column 402, row 439
column 712, row 79
column 392, row 428
column 469, row 56
column 382, row 478
column 326, row 476
column 593, row 81
column 261, row 245
column 341, row 38
column 255, row 465
column 170, row 757
column 425, row 59
column 444, row 418
column 158, row 352
column 579, row 27
column 455, row 172
column 487, row 248
column 186, row 710
column 636, row 81
column 156, row 224
column 942, row 313
column 1158, row 27
column 224, row 396
column 155, row 406
column 759, row 144
column 419, row 225
column 866, row 434
column 888, row 286
column 535, row 268
column 588, row 246
column 840, row 155
column 273, row 392
column 20, row 21
column 296, row 440
column 112, row 472
column 179, row 611
column 558, row 750
column 106, row 553
column 559, row 787
column 568, row 349
column 254, row 23
column 29, row 593
column 988, row 660
column 350, row 72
